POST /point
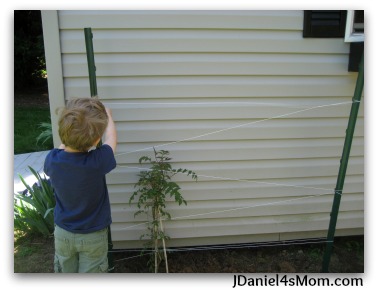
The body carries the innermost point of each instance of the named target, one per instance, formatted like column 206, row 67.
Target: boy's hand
column 110, row 135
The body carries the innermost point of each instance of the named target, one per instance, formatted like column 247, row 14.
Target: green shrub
column 46, row 134
column 33, row 211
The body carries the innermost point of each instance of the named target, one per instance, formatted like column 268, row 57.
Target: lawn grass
column 26, row 129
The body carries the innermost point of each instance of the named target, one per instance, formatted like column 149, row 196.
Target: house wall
column 215, row 70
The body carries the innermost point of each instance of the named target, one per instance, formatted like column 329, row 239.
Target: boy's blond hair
column 82, row 122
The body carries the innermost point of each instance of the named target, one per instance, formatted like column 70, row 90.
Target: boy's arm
column 110, row 135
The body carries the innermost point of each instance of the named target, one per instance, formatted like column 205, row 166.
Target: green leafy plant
column 355, row 247
column 33, row 211
column 46, row 134
column 153, row 188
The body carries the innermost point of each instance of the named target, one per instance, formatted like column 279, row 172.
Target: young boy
column 77, row 173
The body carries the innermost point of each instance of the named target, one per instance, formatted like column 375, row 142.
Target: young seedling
column 155, row 185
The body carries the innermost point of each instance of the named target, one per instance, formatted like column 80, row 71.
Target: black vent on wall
column 324, row 23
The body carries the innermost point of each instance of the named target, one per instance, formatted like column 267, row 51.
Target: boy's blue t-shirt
column 78, row 179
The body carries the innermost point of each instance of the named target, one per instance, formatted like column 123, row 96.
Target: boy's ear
column 97, row 141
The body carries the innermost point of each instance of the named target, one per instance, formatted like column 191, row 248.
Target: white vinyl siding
column 216, row 70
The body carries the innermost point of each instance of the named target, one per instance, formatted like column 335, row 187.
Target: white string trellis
column 272, row 104
column 237, row 126
column 239, row 208
column 328, row 191
column 232, row 246
column 240, row 180
column 224, row 247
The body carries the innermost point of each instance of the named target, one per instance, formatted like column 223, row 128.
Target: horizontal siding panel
column 269, row 169
column 241, row 208
column 248, row 150
column 160, row 133
column 217, row 87
column 222, row 240
column 182, row 19
column 280, row 169
column 317, row 234
column 213, row 189
column 226, row 110
column 250, row 225
column 173, row 64
column 264, row 224
column 215, row 41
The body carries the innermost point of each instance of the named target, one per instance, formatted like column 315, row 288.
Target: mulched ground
column 348, row 257
column 36, row 255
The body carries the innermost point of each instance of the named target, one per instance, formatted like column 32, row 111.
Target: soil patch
column 35, row 97
column 348, row 257
column 36, row 255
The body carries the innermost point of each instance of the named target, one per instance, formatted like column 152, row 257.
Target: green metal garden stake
column 343, row 165
column 91, row 62
column 93, row 90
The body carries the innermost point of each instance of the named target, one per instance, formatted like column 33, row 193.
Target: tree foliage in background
column 29, row 53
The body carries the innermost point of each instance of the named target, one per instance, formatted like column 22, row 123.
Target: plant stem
column 155, row 235
column 165, row 250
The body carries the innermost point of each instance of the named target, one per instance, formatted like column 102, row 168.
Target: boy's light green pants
column 81, row 253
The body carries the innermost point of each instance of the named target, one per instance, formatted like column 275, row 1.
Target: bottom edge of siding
column 241, row 239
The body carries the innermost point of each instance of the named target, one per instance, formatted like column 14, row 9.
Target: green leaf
column 48, row 211
column 34, row 212
column 144, row 159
